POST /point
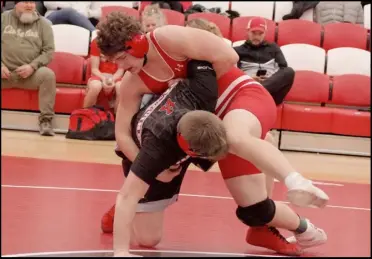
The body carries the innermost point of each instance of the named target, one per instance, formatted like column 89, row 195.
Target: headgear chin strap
column 138, row 46
column 185, row 146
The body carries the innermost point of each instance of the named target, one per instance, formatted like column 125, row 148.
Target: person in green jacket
column 27, row 46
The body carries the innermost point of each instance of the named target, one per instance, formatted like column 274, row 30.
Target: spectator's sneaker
column 312, row 237
column 270, row 238
column 107, row 221
column 303, row 193
column 46, row 128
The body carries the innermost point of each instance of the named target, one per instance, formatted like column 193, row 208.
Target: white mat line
column 182, row 194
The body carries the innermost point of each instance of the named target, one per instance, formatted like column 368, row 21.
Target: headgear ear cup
column 138, row 46
column 184, row 145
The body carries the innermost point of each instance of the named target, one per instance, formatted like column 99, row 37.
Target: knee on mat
column 256, row 215
column 270, row 138
column 150, row 240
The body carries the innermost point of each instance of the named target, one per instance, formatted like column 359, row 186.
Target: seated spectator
column 27, row 47
column 104, row 84
column 172, row 5
column 332, row 12
column 9, row 5
column 203, row 24
column 152, row 18
column 75, row 13
column 264, row 61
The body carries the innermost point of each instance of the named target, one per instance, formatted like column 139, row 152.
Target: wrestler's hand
column 256, row 78
column 167, row 175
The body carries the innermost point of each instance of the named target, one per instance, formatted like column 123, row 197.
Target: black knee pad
column 258, row 214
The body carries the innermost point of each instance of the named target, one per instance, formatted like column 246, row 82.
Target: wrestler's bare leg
column 248, row 190
column 244, row 129
column 147, row 228
column 269, row 179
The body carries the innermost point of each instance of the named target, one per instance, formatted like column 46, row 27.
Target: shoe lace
column 277, row 233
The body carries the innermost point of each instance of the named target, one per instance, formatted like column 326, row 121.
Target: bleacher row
column 327, row 61
column 283, row 33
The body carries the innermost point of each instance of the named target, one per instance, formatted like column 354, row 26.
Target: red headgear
column 138, row 46
column 185, row 146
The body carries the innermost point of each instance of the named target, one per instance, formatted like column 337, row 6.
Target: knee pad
column 258, row 214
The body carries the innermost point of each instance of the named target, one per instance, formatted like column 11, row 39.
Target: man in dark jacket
column 264, row 61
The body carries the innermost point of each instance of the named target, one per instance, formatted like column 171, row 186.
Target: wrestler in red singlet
column 177, row 66
column 236, row 91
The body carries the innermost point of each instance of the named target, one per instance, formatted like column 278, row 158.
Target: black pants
column 279, row 84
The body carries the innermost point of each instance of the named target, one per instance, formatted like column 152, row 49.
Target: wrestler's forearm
column 123, row 134
column 125, row 211
column 129, row 148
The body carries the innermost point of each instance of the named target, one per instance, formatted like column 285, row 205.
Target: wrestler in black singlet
column 154, row 129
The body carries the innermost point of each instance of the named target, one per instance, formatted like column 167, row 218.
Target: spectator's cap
column 257, row 24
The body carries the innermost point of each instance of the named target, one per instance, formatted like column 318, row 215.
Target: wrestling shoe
column 301, row 192
column 270, row 238
column 312, row 237
column 107, row 221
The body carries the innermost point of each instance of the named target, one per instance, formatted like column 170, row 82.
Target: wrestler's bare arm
column 131, row 91
column 125, row 209
column 198, row 44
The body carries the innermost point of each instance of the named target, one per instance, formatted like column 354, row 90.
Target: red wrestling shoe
column 270, row 238
column 107, row 221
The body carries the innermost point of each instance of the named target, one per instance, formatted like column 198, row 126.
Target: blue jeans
column 70, row 16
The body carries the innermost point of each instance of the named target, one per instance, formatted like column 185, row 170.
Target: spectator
column 204, row 25
column 298, row 9
column 152, row 18
column 264, row 61
column 172, row 5
column 9, row 5
column 104, row 84
column 332, row 12
column 27, row 47
column 75, row 13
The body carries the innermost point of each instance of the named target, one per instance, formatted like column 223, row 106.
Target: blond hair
column 154, row 11
column 205, row 133
column 204, row 25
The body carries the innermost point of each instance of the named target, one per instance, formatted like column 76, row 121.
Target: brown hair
column 154, row 10
column 114, row 30
column 204, row 25
column 205, row 133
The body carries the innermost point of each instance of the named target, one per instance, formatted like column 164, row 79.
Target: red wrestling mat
column 55, row 206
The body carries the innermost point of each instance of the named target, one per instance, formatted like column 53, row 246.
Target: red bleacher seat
column 15, row 99
column 67, row 100
column 278, row 123
column 308, row 87
column 174, row 17
column 130, row 11
column 351, row 90
column 221, row 21
column 239, row 29
column 337, row 35
column 299, row 31
column 68, row 68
